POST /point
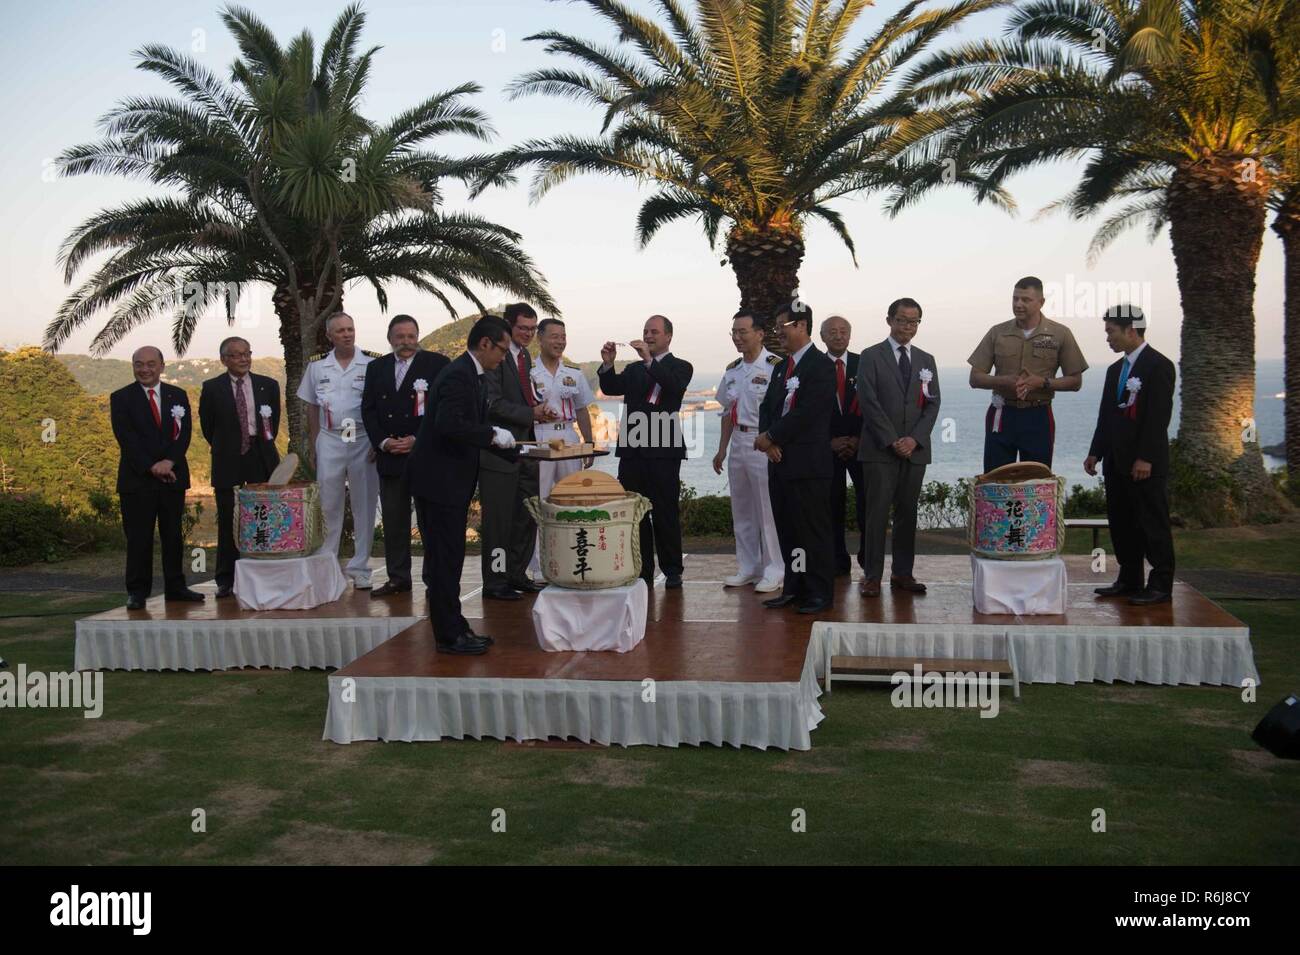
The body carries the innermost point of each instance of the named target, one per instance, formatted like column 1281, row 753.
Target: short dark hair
column 514, row 312
column 750, row 313
column 668, row 326
column 489, row 327
column 898, row 303
column 546, row 323
column 796, row 309
column 1031, row 281
column 399, row 319
column 221, row 349
column 1125, row 315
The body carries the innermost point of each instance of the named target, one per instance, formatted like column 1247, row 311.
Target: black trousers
column 442, row 529
column 803, row 528
column 839, row 483
column 395, row 505
column 1026, row 433
column 658, row 479
column 895, row 484
column 252, row 470
column 141, row 511
column 1138, row 512
column 509, row 531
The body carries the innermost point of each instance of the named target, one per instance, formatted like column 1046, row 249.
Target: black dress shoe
column 528, row 586
column 388, row 589
column 225, row 590
column 776, row 603
column 1149, row 596
column 501, row 593
column 815, row 606
column 1116, row 589
column 482, row 636
column 134, row 603
column 185, row 596
column 673, row 582
column 842, row 569
column 465, row 645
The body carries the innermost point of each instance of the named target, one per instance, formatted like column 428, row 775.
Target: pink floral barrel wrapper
column 278, row 522
column 1020, row 521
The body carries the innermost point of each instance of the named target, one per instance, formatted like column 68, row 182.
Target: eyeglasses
column 907, row 322
column 504, row 349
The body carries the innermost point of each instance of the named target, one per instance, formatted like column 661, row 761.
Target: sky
column 70, row 61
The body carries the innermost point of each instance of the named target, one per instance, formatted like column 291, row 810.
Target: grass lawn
column 1173, row 767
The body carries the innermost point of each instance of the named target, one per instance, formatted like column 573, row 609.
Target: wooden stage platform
column 721, row 667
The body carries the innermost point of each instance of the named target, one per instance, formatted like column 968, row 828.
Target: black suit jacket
column 142, row 444
column 389, row 411
column 507, row 408
column 220, row 425
column 1119, row 439
column 635, row 383
column 804, row 434
column 846, row 422
column 445, row 460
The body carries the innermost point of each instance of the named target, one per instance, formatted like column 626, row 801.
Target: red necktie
column 153, row 406
column 839, row 381
column 525, row 385
column 789, row 367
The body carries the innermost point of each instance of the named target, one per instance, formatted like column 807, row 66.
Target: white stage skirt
column 612, row 619
column 296, row 583
column 1023, row 587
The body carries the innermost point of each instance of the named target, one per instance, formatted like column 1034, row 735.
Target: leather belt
column 744, row 427
column 1016, row 403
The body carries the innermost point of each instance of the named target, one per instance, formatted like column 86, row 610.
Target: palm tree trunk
column 301, row 337
column 766, row 263
column 1216, row 220
column 1287, row 226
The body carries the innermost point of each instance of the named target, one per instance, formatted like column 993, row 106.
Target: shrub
column 37, row 530
column 1086, row 501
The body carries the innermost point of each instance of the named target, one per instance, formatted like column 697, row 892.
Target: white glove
column 501, row 438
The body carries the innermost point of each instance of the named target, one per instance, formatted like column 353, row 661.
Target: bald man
column 151, row 421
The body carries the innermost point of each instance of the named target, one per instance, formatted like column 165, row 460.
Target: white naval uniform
column 566, row 393
column 758, row 554
column 336, row 392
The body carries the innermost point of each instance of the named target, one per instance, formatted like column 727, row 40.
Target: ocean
column 962, row 413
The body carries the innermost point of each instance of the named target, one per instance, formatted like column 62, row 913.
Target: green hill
column 102, row 376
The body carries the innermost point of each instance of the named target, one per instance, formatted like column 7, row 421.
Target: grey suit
column 503, row 484
column 892, row 410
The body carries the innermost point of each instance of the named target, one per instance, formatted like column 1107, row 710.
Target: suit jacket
column 508, row 408
column 643, row 436
column 389, row 411
column 804, row 433
column 142, row 443
column 846, row 422
column 219, row 422
column 445, row 460
column 1119, row 439
column 890, row 411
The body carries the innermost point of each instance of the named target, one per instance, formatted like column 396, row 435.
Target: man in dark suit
column 151, row 421
column 846, row 426
column 794, row 433
column 1132, row 444
column 509, row 531
column 443, row 472
column 898, row 391
column 393, row 403
column 239, row 413
column 650, row 444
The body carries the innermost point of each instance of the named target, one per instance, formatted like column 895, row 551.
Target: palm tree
column 276, row 178
column 1165, row 99
column 749, row 114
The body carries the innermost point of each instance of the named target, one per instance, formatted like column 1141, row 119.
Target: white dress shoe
column 766, row 586
column 738, row 580
column 361, row 581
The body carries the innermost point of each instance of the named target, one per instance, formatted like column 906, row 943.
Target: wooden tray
column 544, row 452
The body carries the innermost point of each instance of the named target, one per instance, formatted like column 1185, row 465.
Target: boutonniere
column 791, row 393
column 265, row 412
column 420, row 386
column 996, row 410
column 792, row 384
column 1132, row 386
column 926, row 376
column 178, row 412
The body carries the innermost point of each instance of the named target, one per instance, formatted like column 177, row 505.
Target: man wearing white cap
column 744, row 383
column 332, row 387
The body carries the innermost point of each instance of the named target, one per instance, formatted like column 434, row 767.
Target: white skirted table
column 293, row 583
column 612, row 619
column 1022, row 587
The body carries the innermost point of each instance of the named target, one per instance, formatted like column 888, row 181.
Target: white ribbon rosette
column 178, row 412
column 265, row 412
column 998, row 403
column 1132, row 386
column 926, row 376
column 420, row 386
column 791, row 390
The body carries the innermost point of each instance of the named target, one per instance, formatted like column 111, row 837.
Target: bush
column 708, row 516
column 1086, row 501
column 944, row 505
column 37, row 530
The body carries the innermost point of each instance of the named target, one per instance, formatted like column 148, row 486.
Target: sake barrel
column 1017, row 513
column 278, row 521
column 590, row 546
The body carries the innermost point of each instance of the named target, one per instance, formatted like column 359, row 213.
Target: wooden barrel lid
column 586, row 487
column 1015, row 472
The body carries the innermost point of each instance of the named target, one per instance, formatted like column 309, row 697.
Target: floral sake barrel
column 589, row 541
column 277, row 521
column 1017, row 512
